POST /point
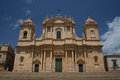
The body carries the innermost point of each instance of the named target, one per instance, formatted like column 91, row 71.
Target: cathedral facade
column 59, row 49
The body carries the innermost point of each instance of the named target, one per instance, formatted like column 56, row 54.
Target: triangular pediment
column 58, row 21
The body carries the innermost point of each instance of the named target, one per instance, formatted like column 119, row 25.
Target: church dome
column 89, row 21
column 28, row 21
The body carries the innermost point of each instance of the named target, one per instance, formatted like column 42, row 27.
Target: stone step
column 60, row 76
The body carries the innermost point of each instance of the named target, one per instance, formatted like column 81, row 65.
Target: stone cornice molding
column 90, row 25
column 112, row 55
column 52, row 20
column 25, row 40
column 92, row 40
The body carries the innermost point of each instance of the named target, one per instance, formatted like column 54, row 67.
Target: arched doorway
column 80, row 63
column 36, row 65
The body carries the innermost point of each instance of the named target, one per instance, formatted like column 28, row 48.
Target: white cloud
column 15, row 26
column 28, row 11
column 18, row 22
column 111, row 39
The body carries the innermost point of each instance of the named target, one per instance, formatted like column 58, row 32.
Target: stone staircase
column 3, row 71
column 60, row 76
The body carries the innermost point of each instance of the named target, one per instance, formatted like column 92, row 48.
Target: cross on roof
column 58, row 11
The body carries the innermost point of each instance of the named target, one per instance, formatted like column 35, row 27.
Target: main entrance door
column 58, row 65
column 36, row 67
column 80, row 67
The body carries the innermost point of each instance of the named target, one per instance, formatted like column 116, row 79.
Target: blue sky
column 105, row 12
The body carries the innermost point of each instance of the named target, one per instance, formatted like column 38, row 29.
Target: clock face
column 92, row 35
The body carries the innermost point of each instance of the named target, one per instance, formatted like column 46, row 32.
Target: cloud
column 18, row 22
column 111, row 39
column 28, row 11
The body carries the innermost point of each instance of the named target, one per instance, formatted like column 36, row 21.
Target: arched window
column 68, row 28
column 48, row 28
column 21, row 59
column 25, row 34
column 92, row 33
column 58, row 35
column 95, row 58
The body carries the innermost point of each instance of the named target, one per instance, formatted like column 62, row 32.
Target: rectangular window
column 114, row 63
column 58, row 34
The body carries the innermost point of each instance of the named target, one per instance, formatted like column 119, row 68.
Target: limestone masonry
column 59, row 49
column 6, row 57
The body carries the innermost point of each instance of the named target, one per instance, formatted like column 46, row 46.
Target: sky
column 105, row 12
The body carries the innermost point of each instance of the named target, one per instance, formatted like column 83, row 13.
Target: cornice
column 52, row 20
column 113, row 55
column 25, row 40
column 92, row 40
column 91, row 24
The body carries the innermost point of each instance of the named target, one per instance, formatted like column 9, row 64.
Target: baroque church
column 59, row 49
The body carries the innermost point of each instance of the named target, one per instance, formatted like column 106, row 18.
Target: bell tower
column 90, row 29
column 27, row 30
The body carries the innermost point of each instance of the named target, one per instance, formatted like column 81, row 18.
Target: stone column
column 73, row 29
column 66, row 60
column 46, row 29
column 76, row 61
column 33, row 68
column 52, row 29
column 64, row 28
column 44, row 67
column 32, row 60
column 41, row 60
column 15, row 63
column 85, row 60
column 51, row 60
column 73, row 60
column 72, row 57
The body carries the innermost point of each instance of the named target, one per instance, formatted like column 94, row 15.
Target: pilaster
column 66, row 60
